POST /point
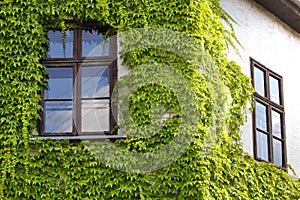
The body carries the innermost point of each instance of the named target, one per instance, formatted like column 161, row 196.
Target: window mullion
column 113, row 108
column 79, row 43
column 42, row 121
column 269, row 116
column 270, row 131
column 267, row 82
column 76, row 98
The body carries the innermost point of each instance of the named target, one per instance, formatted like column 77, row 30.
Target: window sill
column 79, row 137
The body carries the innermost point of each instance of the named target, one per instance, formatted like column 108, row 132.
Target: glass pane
column 277, row 151
column 276, row 124
column 274, row 90
column 262, row 146
column 58, row 116
column 261, row 116
column 95, row 81
column 57, row 48
column 60, row 83
column 93, row 44
column 259, row 81
column 95, row 115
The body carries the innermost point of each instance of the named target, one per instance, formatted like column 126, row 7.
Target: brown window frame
column 270, row 105
column 76, row 62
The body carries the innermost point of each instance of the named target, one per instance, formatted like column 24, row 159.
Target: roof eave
column 286, row 10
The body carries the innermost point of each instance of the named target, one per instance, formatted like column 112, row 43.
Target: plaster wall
column 269, row 41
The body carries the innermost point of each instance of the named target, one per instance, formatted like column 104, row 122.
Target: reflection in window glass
column 94, row 44
column 60, row 83
column 262, row 146
column 277, row 152
column 276, row 124
column 58, row 117
column 274, row 90
column 95, row 81
column 95, row 115
column 261, row 116
column 57, row 48
column 259, row 81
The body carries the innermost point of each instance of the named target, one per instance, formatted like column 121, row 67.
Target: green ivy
column 46, row 169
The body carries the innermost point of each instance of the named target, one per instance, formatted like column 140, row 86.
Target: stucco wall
column 275, row 45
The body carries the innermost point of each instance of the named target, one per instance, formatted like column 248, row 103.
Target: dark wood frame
column 270, row 105
column 76, row 62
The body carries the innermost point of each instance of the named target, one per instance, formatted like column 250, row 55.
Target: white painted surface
column 272, row 43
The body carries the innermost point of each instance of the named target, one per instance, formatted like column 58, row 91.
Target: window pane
column 274, row 90
column 276, row 124
column 57, row 48
column 60, row 83
column 95, row 115
column 95, row 81
column 94, row 44
column 58, row 116
column 277, row 151
column 261, row 116
column 259, row 81
column 262, row 146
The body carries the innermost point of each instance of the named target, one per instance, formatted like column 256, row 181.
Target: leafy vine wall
column 49, row 169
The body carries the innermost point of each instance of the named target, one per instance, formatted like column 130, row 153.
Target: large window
column 268, row 116
column 82, row 70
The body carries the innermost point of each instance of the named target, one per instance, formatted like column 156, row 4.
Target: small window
column 268, row 116
column 82, row 71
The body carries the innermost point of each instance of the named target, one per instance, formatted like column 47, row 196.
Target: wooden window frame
column 76, row 62
column 270, row 105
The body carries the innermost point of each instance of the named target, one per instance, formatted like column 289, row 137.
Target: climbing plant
column 48, row 169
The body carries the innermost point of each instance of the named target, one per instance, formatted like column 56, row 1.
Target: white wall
column 275, row 45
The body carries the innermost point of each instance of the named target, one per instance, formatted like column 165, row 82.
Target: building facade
column 269, row 53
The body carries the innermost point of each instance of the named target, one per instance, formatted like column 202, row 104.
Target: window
column 268, row 116
column 82, row 70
